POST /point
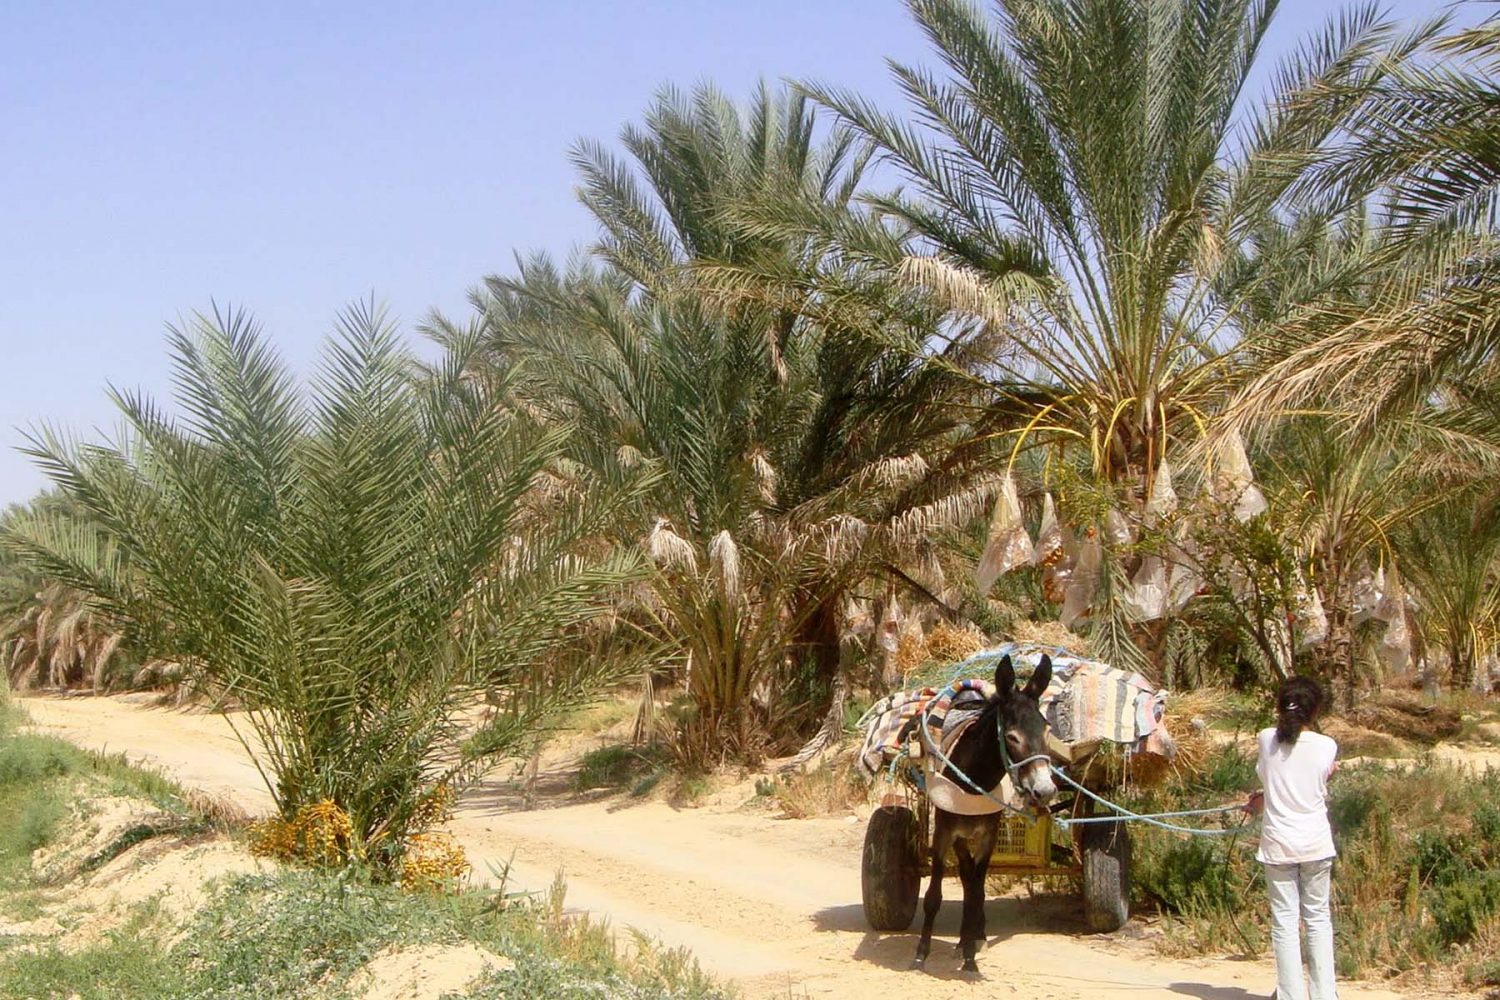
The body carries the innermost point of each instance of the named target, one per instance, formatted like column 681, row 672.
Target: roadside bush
column 30, row 759
column 1189, row 876
column 40, row 777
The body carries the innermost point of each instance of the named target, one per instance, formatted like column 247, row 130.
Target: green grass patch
column 41, row 780
column 291, row 934
column 41, row 777
column 618, row 766
column 604, row 715
column 264, row 937
column 128, row 964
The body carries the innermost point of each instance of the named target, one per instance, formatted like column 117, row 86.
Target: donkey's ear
column 1005, row 676
column 1037, row 686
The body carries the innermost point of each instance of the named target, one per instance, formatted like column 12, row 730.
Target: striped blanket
column 1086, row 700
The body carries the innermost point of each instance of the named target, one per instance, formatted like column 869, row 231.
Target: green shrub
column 31, row 759
column 617, row 766
column 35, row 827
column 1228, row 770
column 1355, row 808
column 1188, row 876
column 1459, row 909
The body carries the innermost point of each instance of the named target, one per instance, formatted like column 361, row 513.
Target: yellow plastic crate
column 1021, row 843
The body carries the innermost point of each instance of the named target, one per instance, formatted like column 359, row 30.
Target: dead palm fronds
column 59, row 640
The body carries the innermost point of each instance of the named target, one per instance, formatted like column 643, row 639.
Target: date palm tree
column 1452, row 556
column 357, row 564
column 1085, row 174
column 817, row 442
column 57, row 639
column 1424, row 329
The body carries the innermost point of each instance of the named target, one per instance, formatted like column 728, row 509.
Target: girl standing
column 1296, row 843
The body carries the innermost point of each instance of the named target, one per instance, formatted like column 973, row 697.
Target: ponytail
column 1298, row 703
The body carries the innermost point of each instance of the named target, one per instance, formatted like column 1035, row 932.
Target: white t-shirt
column 1295, row 780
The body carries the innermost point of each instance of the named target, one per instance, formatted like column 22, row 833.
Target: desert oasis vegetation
column 885, row 488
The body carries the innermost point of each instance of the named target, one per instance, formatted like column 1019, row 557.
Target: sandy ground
column 773, row 904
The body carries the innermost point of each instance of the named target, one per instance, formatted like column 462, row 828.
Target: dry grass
column 1209, row 704
column 831, row 790
column 1194, row 746
column 911, row 652
column 1472, row 703
column 1357, row 741
column 1051, row 634
column 1407, row 718
column 218, row 810
column 1481, row 959
column 949, row 643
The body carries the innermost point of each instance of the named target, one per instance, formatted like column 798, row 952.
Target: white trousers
column 1302, row 891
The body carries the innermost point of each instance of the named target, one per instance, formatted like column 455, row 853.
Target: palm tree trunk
column 1334, row 656
column 818, row 640
column 1461, row 659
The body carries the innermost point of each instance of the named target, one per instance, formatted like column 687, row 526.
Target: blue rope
column 1155, row 819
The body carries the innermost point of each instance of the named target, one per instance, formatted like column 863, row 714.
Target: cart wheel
column 1106, row 875
column 889, row 873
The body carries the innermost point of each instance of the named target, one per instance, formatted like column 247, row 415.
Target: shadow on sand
column 555, row 788
column 1004, row 917
column 1205, row 992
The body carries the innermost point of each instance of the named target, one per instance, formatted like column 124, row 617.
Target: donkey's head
column 1023, row 731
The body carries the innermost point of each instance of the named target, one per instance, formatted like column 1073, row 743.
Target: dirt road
column 773, row 904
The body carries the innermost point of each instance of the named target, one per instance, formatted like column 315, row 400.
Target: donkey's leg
column 969, row 931
column 984, row 850
column 942, row 834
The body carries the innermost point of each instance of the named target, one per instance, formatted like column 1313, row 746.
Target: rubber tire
column 889, row 870
column 1106, row 876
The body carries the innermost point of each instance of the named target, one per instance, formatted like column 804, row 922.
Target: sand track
column 771, row 903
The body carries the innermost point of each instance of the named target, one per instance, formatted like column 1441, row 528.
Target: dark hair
column 1298, row 702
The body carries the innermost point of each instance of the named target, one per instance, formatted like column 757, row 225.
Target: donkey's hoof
column 917, row 965
column 970, row 969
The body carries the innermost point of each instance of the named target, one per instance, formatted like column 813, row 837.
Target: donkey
column 1008, row 738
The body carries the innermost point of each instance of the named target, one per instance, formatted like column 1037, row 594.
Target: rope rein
column 1154, row 819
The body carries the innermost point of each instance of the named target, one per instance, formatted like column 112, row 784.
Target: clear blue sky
column 292, row 157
